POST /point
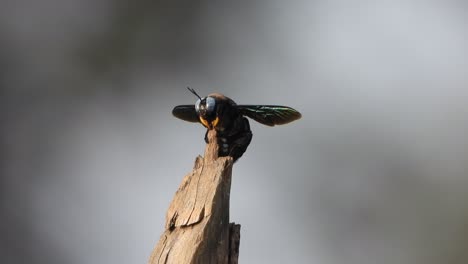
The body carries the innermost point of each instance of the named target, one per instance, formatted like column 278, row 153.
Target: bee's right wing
column 186, row 112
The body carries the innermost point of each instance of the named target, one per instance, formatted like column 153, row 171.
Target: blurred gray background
column 374, row 172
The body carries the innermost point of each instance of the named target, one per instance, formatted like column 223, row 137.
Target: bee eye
column 197, row 105
column 210, row 104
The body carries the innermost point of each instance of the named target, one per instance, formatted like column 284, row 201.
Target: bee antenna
column 193, row 91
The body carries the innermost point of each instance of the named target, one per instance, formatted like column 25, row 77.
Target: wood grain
column 197, row 228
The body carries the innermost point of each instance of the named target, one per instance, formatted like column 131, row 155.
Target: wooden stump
column 197, row 226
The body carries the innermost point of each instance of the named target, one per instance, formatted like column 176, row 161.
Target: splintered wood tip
column 211, row 150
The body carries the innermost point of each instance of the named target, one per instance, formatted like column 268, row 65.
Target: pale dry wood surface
column 197, row 226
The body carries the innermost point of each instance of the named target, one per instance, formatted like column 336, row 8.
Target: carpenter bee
column 219, row 112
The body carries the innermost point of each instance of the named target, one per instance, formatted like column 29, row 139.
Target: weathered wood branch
column 197, row 226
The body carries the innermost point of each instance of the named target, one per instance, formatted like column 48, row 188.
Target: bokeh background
column 374, row 172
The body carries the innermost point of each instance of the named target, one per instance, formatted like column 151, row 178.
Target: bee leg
column 223, row 146
column 206, row 137
column 239, row 146
column 241, row 142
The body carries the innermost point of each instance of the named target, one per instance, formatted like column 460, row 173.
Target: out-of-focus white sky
column 374, row 172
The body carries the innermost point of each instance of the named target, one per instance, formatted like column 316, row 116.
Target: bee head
column 206, row 110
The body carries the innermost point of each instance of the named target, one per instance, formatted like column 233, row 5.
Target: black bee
column 219, row 112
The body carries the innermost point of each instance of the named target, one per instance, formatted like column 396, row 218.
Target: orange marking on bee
column 215, row 122
column 204, row 122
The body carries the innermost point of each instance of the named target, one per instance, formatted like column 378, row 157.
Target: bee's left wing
column 186, row 112
column 270, row 115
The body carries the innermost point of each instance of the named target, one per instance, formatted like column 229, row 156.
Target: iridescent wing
column 270, row 115
column 186, row 112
